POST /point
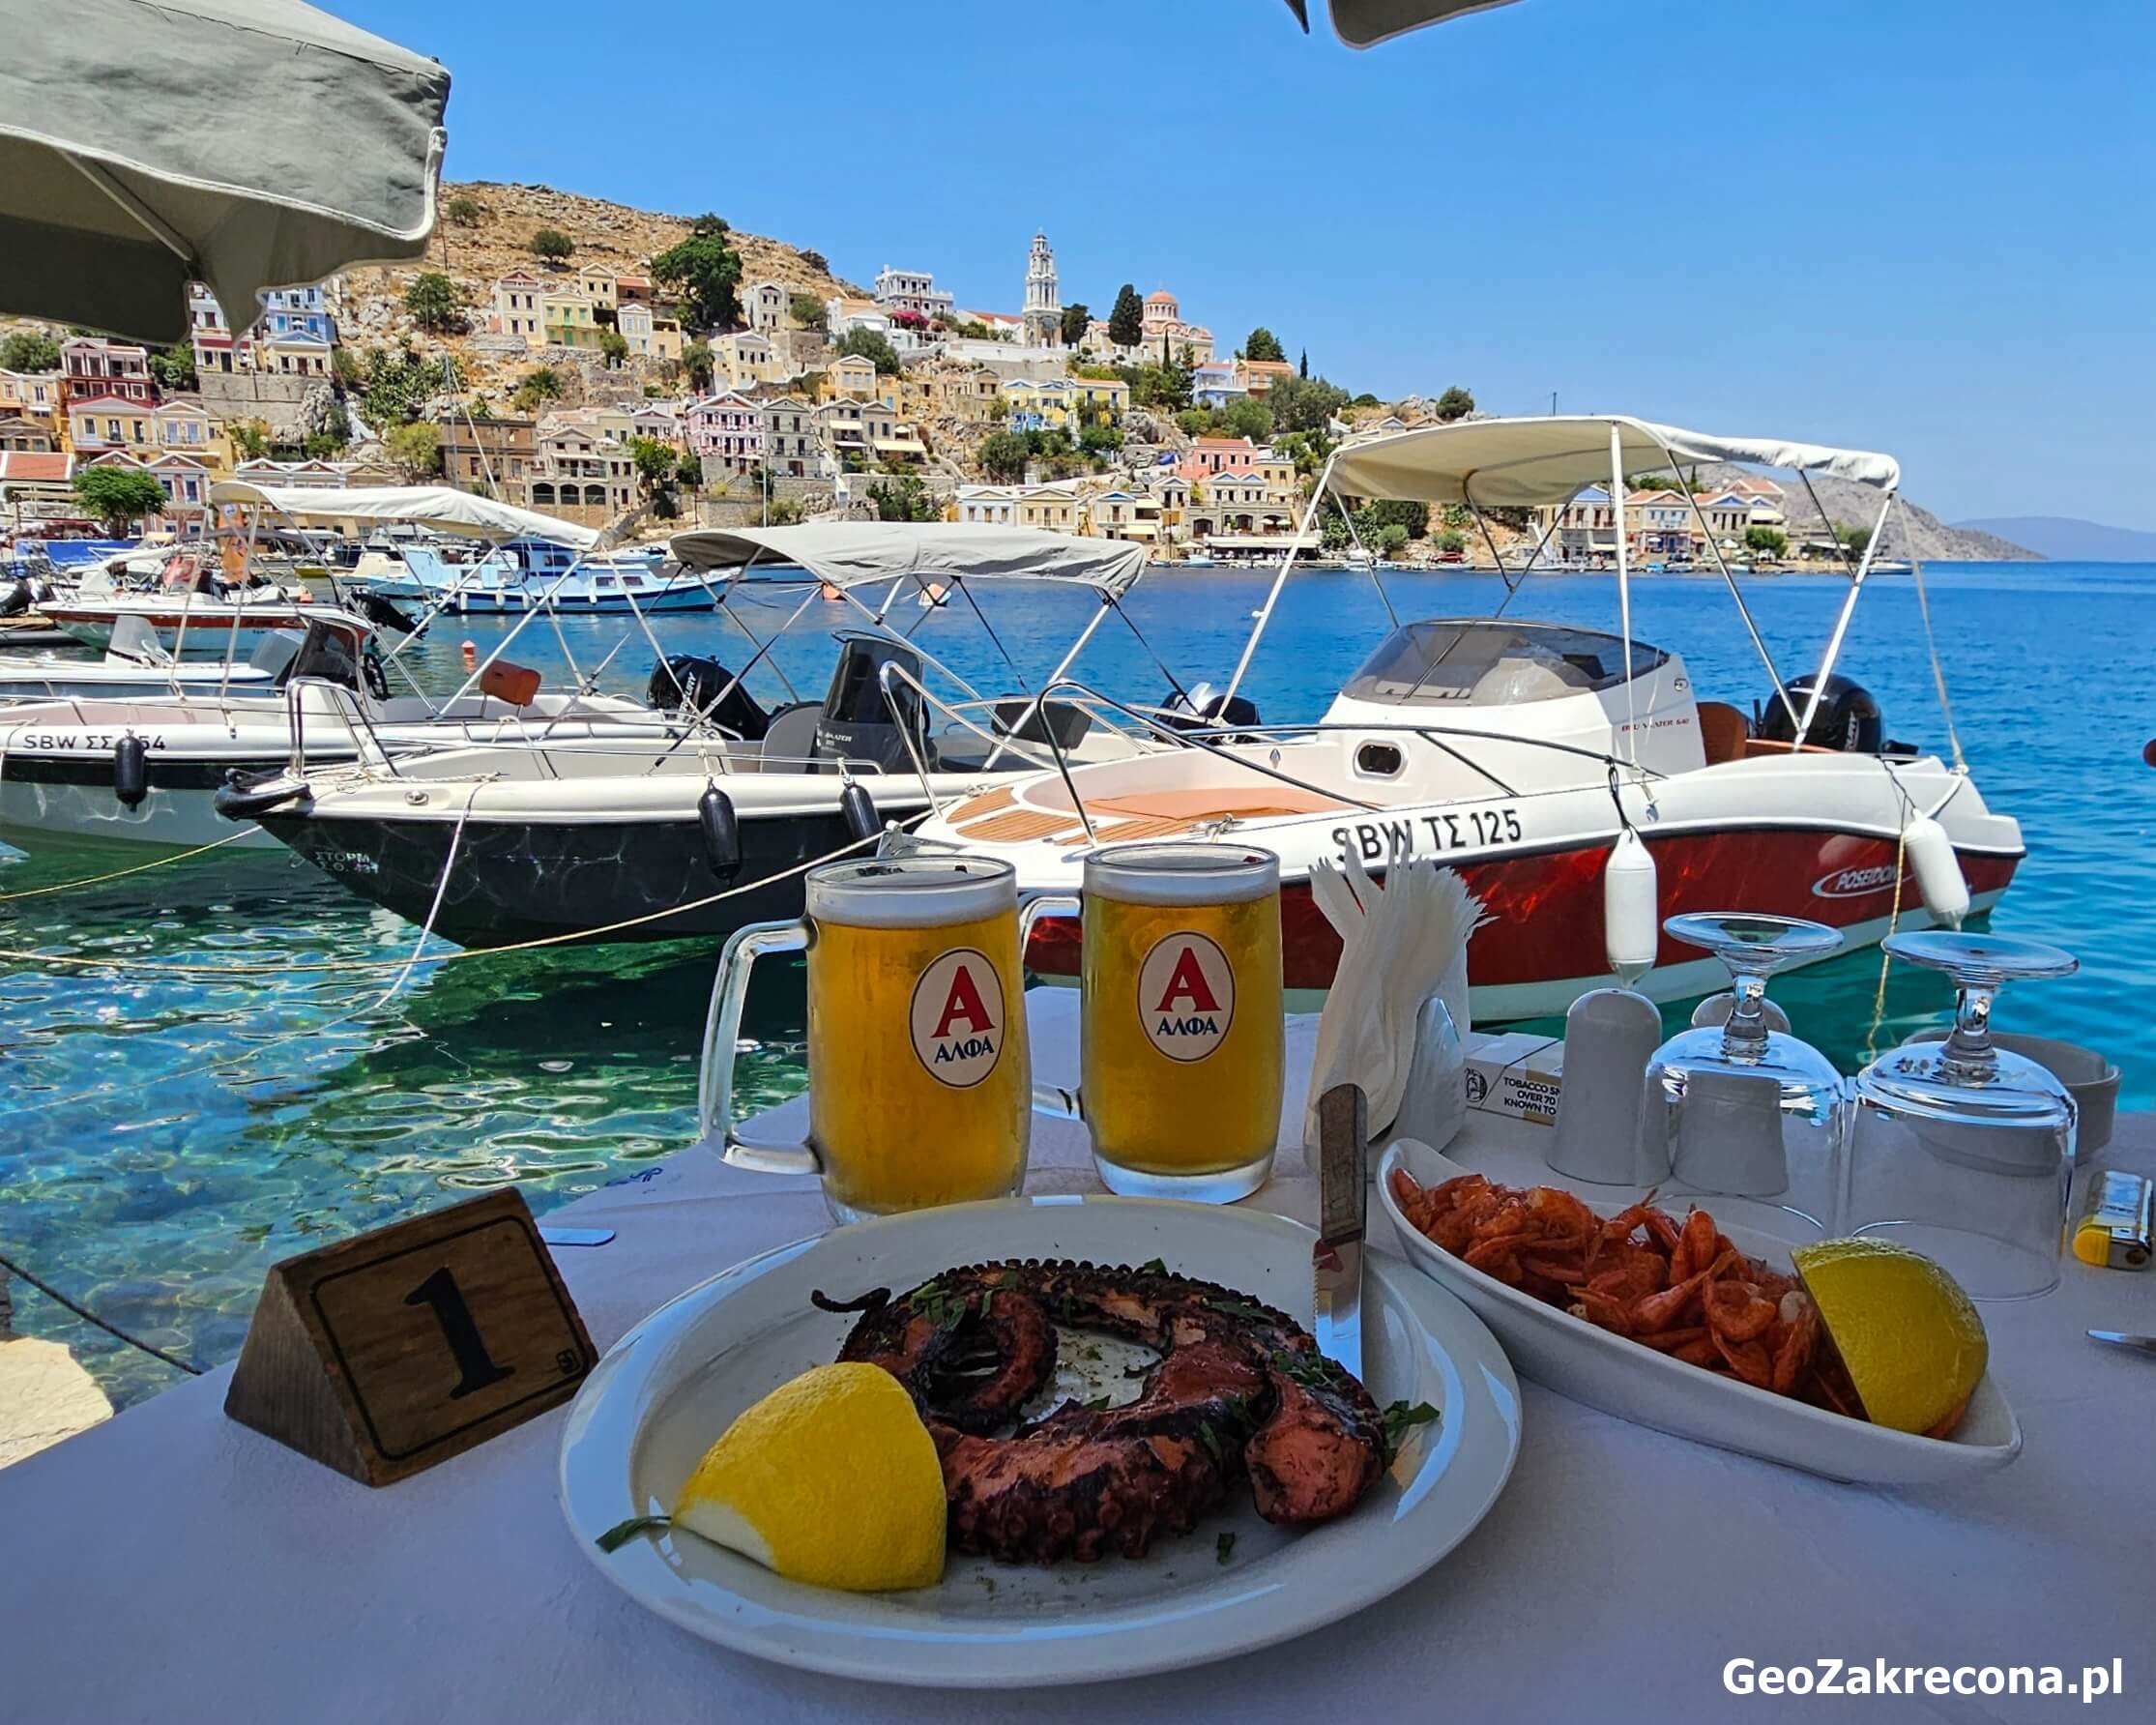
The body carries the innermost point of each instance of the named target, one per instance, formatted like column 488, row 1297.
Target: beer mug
column 1181, row 1027
column 919, row 1085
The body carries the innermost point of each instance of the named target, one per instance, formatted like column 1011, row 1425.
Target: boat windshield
column 1495, row 664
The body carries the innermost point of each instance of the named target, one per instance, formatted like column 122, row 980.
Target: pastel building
column 912, row 290
column 726, row 428
column 93, row 367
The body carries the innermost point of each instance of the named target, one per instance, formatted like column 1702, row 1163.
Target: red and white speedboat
column 1522, row 753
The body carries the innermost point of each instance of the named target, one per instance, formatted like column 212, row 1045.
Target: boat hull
column 1544, row 945
column 520, row 880
column 67, row 803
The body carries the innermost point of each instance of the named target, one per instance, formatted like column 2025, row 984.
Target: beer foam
column 1181, row 874
column 912, row 891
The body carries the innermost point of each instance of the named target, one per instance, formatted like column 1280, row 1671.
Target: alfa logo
column 957, row 1018
column 1186, row 995
column 1854, row 882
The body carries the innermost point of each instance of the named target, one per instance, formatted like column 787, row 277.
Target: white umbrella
column 1364, row 23
column 240, row 143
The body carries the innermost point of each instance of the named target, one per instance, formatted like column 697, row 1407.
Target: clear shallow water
column 164, row 1140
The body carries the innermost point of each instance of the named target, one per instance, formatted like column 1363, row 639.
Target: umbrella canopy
column 850, row 553
column 1523, row 463
column 1364, row 23
column 240, row 143
column 437, row 508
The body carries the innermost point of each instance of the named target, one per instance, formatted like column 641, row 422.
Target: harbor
column 736, row 976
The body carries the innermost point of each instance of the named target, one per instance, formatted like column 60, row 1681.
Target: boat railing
column 1217, row 740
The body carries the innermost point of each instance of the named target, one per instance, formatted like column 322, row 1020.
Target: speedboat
column 136, row 665
column 146, row 772
column 181, row 593
column 600, row 839
column 1558, row 768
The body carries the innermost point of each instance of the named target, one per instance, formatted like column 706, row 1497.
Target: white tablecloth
column 171, row 1565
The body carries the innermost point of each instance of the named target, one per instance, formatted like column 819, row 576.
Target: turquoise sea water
column 164, row 1140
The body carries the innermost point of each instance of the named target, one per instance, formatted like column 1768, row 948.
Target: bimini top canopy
column 929, row 553
column 1525, row 463
column 240, row 143
column 439, row 507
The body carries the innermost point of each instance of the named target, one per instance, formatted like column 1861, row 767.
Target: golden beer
column 1180, row 1023
column 919, row 1080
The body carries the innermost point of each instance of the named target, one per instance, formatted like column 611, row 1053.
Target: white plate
column 1620, row 1377
column 675, row 1381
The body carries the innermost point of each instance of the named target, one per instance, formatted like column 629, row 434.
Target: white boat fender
column 130, row 772
column 721, row 829
column 1631, row 917
column 1938, row 872
column 859, row 808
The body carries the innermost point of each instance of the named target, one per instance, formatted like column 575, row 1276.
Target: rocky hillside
column 1849, row 504
column 494, row 237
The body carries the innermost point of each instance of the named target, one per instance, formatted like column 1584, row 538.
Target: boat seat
column 1724, row 731
column 789, row 741
column 1757, row 747
column 1063, row 721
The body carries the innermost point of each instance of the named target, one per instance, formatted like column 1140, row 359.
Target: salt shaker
column 1610, row 1035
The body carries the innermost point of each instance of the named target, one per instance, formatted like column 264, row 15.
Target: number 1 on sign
column 465, row 1343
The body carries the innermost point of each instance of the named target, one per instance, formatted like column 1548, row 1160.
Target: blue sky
column 1925, row 226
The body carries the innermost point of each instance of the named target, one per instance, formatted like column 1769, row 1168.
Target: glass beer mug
column 1180, row 1026
column 919, row 1082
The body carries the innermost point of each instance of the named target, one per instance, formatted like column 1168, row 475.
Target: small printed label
column 1854, row 882
column 957, row 1018
column 1186, row 995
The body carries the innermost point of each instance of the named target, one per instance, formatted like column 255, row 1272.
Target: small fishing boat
column 1575, row 777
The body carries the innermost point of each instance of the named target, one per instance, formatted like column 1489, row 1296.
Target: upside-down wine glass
column 1961, row 1150
column 1748, row 1120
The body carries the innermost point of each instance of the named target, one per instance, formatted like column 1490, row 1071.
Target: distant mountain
column 1849, row 504
column 2071, row 540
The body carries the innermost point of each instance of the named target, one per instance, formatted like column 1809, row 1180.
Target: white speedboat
column 1523, row 753
column 100, row 770
column 596, row 837
column 136, row 665
column 179, row 594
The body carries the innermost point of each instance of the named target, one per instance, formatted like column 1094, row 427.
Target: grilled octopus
column 1241, row 1392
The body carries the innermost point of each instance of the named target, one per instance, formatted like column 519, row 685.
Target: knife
column 1343, row 1209
column 2118, row 1338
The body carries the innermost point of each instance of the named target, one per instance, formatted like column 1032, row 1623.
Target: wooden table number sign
column 383, row 1355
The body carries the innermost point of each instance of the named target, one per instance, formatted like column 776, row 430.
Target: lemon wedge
column 1912, row 1340
column 830, row 1479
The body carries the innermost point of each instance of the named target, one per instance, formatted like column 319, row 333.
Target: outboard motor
column 859, row 724
column 15, row 597
column 1848, row 718
column 1199, row 706
column 378, row 612
column 688, row 680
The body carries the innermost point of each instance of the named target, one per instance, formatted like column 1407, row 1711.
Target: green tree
column 552, row 245
column 398, row 385
column 251, row 438
column 1411, row 518
column 1768, row 541
column 1458, row 514
column 807, row 310
column 1127, row 323
column 117, row 496
column 1307, row 450
column 1853, row 538
column 434, row 304
column 1367, row 400
column 1454, row 404
column 700, row 364
column 874, row 346
column 416, row 447
column 1249, row 416
column 1077, row 316
column 1263, row 344
column 1304, row 403
column 1100, row 440
column 704, row 270
column 29, row 350
column 816, row 261
column 1391, row 540
column 902, row 499
column 1452, row 542
column 1303, row 369
column 688, row 471
column 613, row 347
column 1003, row 456
column 1196, row 422
column 347, row 369
column 174, row 367
column 784, row 511
column 540, row 385
column 658, row 464
column 463, row 212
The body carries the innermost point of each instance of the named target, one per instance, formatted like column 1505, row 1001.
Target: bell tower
column 1043, row 316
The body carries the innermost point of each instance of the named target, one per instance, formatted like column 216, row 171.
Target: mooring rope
column 120, row 874
column 90, row 1317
